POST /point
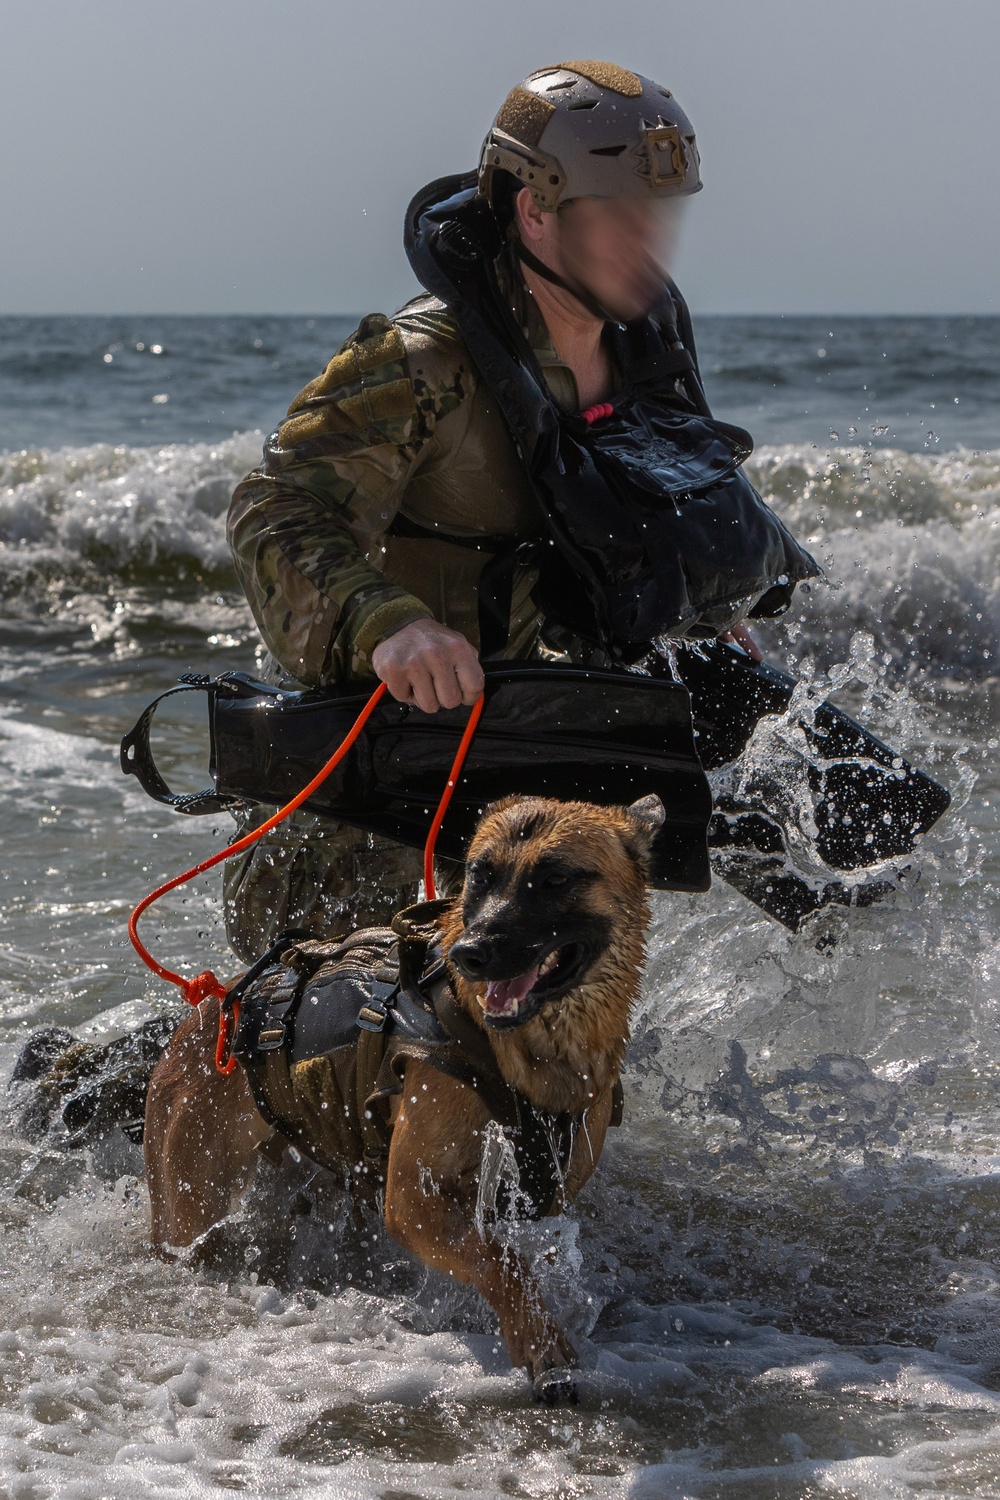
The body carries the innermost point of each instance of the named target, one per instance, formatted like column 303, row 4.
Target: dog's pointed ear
column 646, row 817
column 648, row 812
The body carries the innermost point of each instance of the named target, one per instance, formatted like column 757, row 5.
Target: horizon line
column 347, row 316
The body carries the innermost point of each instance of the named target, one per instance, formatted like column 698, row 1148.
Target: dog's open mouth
column 511, row 1002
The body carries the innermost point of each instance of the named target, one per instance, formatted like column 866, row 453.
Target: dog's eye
column 554, row 880
column 479, row 874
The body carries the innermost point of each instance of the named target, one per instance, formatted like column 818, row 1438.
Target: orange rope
column 202, row 985
column 430, row 889
column 205, row 984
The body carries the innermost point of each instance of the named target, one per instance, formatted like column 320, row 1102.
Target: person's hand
column 427, row 664
column 741, row 636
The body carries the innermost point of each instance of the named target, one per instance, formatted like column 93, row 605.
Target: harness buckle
column 270, row 1038
column 373, row 1016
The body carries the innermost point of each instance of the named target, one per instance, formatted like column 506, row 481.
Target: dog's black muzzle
column 562, row 960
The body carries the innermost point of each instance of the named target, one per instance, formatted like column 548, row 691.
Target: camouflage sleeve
column 305, row 527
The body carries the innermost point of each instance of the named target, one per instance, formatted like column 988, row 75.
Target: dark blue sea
column 922, row 384
column 783, row 1281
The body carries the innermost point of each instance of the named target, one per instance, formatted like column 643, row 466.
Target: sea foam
column 910, row 542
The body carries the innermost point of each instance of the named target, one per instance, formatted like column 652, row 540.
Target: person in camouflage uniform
column 397, row 424
column 333, row 535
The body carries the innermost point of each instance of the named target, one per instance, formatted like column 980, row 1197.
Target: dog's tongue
column 504, row 995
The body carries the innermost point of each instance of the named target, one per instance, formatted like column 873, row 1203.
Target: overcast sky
column 257, row 156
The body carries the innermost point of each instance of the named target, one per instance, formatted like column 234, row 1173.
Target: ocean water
column 783, row 1280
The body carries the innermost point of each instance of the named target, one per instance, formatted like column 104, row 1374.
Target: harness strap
column 371, row 1054
column 543, row 1144
column 495, row 590
column 432, row 1028
column 478, row 542
column 476, row 1055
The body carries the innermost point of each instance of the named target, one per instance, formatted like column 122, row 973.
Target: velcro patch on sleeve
column 364, row 392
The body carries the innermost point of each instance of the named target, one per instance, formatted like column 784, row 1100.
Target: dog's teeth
column 549, row 963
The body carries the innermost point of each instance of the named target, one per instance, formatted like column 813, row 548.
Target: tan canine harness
column 325, row 1033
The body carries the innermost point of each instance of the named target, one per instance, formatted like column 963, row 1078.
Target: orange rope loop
column 206, row 984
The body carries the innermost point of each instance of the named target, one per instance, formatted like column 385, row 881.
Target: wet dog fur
column 545, row 947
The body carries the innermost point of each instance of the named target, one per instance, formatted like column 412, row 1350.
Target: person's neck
column 577, row 337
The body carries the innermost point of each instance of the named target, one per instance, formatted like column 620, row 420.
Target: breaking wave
column 125, row 514
column 910, row 541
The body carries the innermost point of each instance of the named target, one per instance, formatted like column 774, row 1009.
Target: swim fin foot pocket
column 579, row 734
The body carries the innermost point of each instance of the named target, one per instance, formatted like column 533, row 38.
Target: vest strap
column 495, row 590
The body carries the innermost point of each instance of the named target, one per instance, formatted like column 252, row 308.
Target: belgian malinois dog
column 544, row 949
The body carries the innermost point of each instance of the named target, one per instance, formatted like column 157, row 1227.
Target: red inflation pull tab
column 225, row 1062
column 595, row 413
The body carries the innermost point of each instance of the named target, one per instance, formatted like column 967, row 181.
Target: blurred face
column 619, row 249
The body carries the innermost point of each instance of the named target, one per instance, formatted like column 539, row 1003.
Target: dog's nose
column 472, row 956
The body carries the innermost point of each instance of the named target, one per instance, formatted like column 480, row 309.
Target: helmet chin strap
column 582, row 295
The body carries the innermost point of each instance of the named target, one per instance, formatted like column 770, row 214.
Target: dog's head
column 550, row 889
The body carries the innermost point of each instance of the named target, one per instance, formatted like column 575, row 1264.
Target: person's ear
column 530, row 222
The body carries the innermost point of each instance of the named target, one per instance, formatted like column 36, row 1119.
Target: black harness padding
column 653, row 522
column 326, row 1030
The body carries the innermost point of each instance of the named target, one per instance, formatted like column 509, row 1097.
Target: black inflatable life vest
column 654, row 523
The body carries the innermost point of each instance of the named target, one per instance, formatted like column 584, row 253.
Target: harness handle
column 202, row 985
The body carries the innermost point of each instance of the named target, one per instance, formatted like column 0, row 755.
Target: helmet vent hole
column 585, row 104
column 607, row 150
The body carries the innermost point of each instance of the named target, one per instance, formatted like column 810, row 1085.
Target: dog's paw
column 556, row 1387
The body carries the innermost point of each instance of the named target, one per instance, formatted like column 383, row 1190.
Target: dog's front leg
column 430, row 1200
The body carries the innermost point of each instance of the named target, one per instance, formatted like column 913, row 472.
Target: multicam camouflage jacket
column 397, row 425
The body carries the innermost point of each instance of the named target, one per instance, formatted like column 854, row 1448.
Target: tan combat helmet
column 590, row 130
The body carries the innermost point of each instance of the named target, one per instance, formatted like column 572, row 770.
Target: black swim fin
column 867, row 804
